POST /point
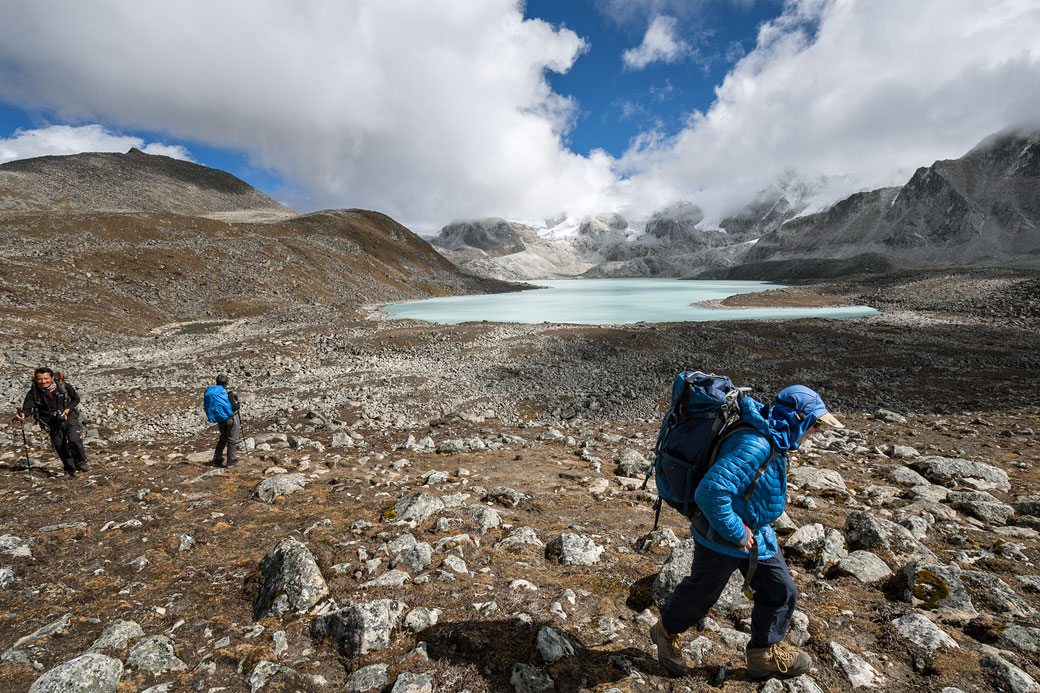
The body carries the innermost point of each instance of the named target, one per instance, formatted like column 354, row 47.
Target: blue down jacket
column 720, row 495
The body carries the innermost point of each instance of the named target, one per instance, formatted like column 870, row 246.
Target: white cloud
column 65, row 139
column 431, row 110
column 865, row 90
column 659, row 44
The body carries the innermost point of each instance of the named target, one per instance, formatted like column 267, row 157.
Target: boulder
column 93, row 673
column 527, row 679
column 866, row 531
column 117, row 636
column 632, row 464
column 519, row 537
column 982, row 506
column 1016, row 680
column 154, row 654
column 942, row 470
column 571, row 549
column 370, row 678
column 415, row 508
column 864, row 566
column 280, row 485
column 820, row 480
column 408, row 682
column 292, row 581
column 917, row 629
column 856, row 669
column 936, row 587
column 553, row 645
column 360, row 628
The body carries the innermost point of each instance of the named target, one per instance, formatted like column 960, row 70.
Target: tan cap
column 829, row 419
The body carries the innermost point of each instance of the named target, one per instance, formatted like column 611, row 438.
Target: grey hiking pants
column 229, row 431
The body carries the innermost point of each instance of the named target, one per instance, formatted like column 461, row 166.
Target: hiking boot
column 669, row 650
column 83, row 467
column 776, row 660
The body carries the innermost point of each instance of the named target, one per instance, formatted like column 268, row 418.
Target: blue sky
column 438, row 110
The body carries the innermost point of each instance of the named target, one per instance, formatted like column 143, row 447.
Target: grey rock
column 14, row 546
column 866, row 531
column 921, row 632
column 416, row 508
column 918, row 526
column 391, row 578
column 455, row 564
column 992, row 594
column 117, row 636
column 698, row 649
column 370, row 678
column 864, row 566
column 1027, row 505
column 632, row 464
column 342, row 440
column 88, row 673
column 35, row 639
column 527, row 679
column 503, row 495
column 819, row 480
column 292, row 581
column 982, row 506
column 734, row 639
column 572, row 549
column 798, row 632
column 265, row 672
column 421, row 618
column 551, row 435
column 407, row 682
column 784, row 525
column 280, row 485
column 929, row 492
column 658, row 537
column 6, row 577
column 819, row 546
column 907, row 477
column 360, row 628
column 856, row 669
column 889, row 416
column 1016, row 679
column 940, row 470
column 553, row 645
column 519, row 537
column 678, row 565
column 1024, row 638
column 415, row 559
column 484, row 518
column 401, row 543
column 937, row 587
column 154, row 653
column 903, row 452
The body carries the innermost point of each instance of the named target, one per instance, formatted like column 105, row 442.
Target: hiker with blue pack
column 220, row 403
column 721, row 461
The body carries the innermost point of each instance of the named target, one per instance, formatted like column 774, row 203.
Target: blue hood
column 779, row 423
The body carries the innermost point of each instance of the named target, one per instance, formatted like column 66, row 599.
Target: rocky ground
column 450, row 508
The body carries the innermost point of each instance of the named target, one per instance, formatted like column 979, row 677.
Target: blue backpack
column 704, row 412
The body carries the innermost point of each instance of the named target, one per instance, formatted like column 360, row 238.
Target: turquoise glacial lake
column 610, row 302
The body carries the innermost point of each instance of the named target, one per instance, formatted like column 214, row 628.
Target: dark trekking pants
column 229, row 430
column 775, row 595
column 65, row 438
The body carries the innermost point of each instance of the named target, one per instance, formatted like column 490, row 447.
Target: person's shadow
column 494, row 647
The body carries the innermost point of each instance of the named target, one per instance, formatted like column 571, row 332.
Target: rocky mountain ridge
column 980, row 209
column 177, row 256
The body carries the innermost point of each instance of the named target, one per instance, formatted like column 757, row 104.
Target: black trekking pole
column 25, row 446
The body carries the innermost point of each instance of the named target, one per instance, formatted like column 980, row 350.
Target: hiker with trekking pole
column 722, row 462
column 221, row 405
column 52, row 402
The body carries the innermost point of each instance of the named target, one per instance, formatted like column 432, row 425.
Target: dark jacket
column 48, row 405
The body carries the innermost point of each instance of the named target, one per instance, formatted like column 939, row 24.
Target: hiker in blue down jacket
column 221, row 405
column 734, row 524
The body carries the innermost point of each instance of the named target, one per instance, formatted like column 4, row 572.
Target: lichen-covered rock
column 503, row 495
column 408, row 682
column 1016, row 679
column 631, row 464
column 820, row 480
column 982, row 506
column 940, row 470
column 521, row 536
column 280, row 485
column 936, row 587
column 992, row 594
column 292, row 581
column 528, row 679
column 678, row 565
column 553, row 645
column 658, row 537
column 155, row 654
column 865, row 531
column 370, row 678
column 14, row 546
column 266, row 672
column 360, row 628
column 820, row 547
column 415, row 508
column 117, row 636
column 864, row 566
column 414, row 559
column 917, row 629
column 484, row 518
column 88, row 673
column 856, row 669
column 571, row 549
